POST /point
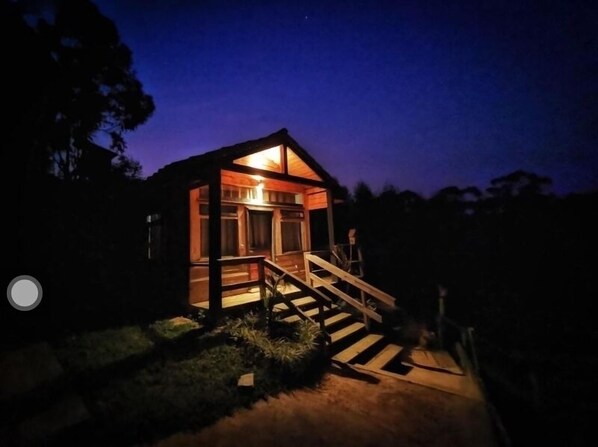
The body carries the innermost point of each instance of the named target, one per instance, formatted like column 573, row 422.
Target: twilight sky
column 419, row 94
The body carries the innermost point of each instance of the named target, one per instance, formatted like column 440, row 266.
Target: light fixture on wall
column 259, row 191
column 258, row 197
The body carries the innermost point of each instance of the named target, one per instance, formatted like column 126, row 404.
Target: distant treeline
column 517, row 260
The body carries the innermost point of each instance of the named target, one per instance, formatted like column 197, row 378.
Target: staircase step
column 293, row 318
column 345, row 332
column 341, row 316
column 297, row 302
column 357, row 348
column 384, row 357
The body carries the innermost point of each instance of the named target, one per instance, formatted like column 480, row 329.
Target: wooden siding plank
column 297, row 167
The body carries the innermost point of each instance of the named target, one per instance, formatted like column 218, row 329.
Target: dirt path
column 349, row 411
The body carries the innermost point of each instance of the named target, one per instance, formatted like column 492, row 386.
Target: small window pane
column 291, row 236
column 229, row 245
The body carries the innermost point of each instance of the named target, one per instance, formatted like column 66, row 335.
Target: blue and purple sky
column 418, row 94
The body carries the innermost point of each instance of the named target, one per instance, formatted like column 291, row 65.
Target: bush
column 290, row 348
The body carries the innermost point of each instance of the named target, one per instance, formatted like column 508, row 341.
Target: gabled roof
column 197, row 165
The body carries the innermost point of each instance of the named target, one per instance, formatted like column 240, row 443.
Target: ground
column 136, row 384
column 352, row 409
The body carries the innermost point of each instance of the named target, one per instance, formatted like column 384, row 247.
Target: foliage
column 270, row 298
column 127, row 167
column 83, row 86
column 291, row 353
column 72, row 82
column 94, row 350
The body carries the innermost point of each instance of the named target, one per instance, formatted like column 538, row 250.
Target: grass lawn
column 141, row 384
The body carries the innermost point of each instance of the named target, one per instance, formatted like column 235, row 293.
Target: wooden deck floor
column 241, row 299
column 250, row 297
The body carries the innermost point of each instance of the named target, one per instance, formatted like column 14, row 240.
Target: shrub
column 290, row 354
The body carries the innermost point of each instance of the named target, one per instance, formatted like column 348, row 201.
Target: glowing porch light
column 259, row 189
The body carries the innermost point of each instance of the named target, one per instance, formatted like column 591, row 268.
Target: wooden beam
column 274, row 175
column 241, row 285
column 215, row 250
column 348, row 277
column 317, row 281
column 330, row 219
column 194, row 225
column 237, row 260
column 299, row 283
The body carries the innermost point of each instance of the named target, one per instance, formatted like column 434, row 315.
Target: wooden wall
column 315, row 198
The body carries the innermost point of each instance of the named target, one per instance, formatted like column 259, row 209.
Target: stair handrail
column 321, row 299
column 360, row 284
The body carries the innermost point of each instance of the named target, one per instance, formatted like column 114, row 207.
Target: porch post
column 329, row 201
column 215, row 251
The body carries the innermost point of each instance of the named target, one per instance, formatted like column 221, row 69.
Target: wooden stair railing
column 364, row 288
column 321, row 299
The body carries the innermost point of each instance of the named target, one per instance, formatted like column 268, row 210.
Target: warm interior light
column 268, row 159
column 259, row 190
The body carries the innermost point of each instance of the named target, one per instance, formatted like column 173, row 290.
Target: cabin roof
column 199, row 164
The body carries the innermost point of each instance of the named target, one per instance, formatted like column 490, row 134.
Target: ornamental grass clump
column 290, row 348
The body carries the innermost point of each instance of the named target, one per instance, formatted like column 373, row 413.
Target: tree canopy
column 77, row 81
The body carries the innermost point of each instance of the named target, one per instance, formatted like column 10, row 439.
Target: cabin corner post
column 215, row 250
column 329, row 216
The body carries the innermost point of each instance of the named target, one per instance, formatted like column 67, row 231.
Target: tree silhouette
column 362, row 193
column 87, row 87
column 519, row 183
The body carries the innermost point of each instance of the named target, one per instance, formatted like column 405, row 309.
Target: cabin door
column 260, row 233
column 260, row 237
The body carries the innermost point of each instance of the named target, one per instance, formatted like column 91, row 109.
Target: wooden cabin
column 221, row 222
column 261, row 197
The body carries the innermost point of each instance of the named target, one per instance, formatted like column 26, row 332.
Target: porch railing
column 265, row 284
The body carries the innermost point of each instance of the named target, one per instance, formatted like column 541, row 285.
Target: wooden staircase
column 351, row 344
column 350, row 341
column 324, row 300
column 323, row 297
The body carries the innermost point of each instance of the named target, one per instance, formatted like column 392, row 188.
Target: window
column 245, row 194
column 291, row 229
column 291, row 236
column 229, row 231
column 283, row 197
column 154, row 235
column 260, row 230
